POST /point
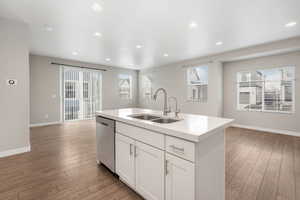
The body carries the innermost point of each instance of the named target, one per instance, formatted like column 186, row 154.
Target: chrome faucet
column 165, row 109
column 176, row 106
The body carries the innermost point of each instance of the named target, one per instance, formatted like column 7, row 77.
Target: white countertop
column 190, row 127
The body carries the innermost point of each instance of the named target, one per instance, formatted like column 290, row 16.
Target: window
column 82, row 96
column 70, row 89
column 266, row 90
column 197, row 82
column 125, row 86
column 147, row 87
column 85, row 90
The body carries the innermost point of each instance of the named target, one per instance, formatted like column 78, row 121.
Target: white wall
column 44, row 85
column 261, row 119
column 173, row 79
column 14, row 101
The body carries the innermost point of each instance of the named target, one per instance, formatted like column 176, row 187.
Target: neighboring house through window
column 146, row 87
column 82, row 90
column 266, row 90
column 197, row 83
column 125, row 86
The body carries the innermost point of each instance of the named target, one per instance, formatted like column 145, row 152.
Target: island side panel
column 210, row 167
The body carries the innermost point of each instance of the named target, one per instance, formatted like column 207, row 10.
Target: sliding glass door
column 82, row 93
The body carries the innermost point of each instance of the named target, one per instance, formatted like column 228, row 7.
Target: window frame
column 293, row 109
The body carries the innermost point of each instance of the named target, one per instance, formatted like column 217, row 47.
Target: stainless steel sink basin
column 165, row 120
column 144, row 116
column 154, row 118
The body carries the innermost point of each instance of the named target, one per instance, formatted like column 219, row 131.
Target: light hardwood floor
column 62, row 165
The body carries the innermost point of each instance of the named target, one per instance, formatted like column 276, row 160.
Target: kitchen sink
column 144, row 116
column 154, row 118
column 165, row 120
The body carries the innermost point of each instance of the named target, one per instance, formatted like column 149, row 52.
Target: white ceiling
column 160, row 26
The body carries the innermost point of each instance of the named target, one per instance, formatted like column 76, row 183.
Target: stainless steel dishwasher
column 105, row 135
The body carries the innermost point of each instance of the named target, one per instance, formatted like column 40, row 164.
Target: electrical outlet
column 46, row 116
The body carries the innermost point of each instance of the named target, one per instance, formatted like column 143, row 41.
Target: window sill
column 196, row 101
column 266, row 111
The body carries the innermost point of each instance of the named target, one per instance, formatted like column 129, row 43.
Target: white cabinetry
column 140, row 166
column 180, row 178
column 162, row 167
column 125, row 167
column 149, row 165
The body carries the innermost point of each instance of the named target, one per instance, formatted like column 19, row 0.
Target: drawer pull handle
column 177, row 148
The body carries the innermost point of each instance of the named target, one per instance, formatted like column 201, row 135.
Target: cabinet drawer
column 181, row 148
column 140, row 134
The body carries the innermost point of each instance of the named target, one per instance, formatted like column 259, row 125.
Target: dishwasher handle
column 105, row 122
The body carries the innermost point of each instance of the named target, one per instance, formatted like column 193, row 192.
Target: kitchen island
column 168, row 158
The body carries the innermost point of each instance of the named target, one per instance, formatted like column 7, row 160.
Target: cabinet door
column 180, row 179
column 149, row 171
column 125, row 159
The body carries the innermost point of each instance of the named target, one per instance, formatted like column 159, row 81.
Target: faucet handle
column 168, row 109
column 177, row 112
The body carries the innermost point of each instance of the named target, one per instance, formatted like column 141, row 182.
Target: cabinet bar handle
column 131, row 149
column 135, row 152
column 166, row 167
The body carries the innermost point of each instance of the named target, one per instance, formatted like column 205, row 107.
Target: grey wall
column 261, row 119
column 45, row 88
column 14, row 101
column 173, row 79
column 272, row 48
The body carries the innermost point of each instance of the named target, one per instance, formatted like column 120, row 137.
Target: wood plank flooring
column 62, row 166
column 261, row 166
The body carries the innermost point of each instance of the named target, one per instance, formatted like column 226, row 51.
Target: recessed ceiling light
column 219, row 43
column 48, row 28
column 75, row 53
column 107, row 59
column 97, row 7
column 166, row 55
column 97, row 34
column 193, row 24
column 139, row 46
column 291, row 24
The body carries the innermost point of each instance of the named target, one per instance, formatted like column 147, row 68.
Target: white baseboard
column 15, row 151
column 44, row 124
column 269, row 130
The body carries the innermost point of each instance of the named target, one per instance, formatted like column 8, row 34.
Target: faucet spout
column 165, row 108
